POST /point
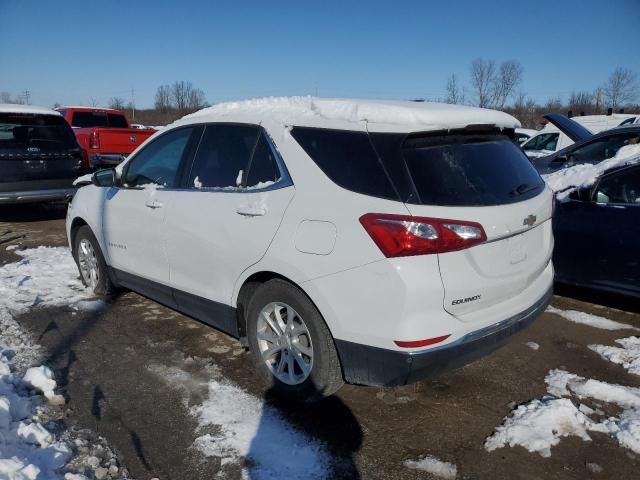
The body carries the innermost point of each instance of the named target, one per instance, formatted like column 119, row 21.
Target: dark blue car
column 597, row 234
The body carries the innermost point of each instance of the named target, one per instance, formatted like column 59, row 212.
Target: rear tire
column 291, row 343
column 91, row 263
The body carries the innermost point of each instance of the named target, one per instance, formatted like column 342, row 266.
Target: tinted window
column 470, row 170
column 117, row 121
column 601, row 149
column 43, row 131
column 159, row 162
column 264, row 168
column 223, row 156
column 544, row 141
column 347, row 158
column 89, row 119
column 622, row 187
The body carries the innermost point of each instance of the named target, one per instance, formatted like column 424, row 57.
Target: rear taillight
column 406, row 235
column 94, row 140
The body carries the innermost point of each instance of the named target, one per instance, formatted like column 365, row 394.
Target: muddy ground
column 113, row 365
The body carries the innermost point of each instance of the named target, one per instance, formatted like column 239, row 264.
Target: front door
column 134, row 213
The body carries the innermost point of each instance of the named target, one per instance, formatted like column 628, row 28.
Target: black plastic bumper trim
column 366, row 365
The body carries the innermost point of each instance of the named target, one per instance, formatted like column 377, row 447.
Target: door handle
column 153, row 204
column 251, row 211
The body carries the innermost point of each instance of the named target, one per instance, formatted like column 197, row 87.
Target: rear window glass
column 469, row 170
column 42, row 131
column 117, row 121
column 348, row 159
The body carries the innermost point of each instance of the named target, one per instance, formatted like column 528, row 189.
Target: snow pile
column 532, row 345
column 27, row 449
column 248, row 429
column 45, row 275
column 589, row 319
column 430, row 116
column 585, row 174
column 434, row 466
column 41, row 379
column 628, row 356
column 83, row 179
column 540, row 424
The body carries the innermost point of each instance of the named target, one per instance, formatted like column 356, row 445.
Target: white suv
column 370, row 242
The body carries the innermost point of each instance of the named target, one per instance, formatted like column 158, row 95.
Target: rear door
column 483, row 178
column 224, row 219
column 37, row 151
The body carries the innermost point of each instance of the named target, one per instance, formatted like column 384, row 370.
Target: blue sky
column 72, row 51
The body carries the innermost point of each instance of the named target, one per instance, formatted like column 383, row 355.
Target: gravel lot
column 134, row 372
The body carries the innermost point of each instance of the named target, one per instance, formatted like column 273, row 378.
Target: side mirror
column 105, row 178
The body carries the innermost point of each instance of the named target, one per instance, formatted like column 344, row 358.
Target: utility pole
column 133, row 104
column 26, row 94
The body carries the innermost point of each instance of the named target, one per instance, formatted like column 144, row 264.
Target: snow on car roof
column 307, row 110
column 17, row 108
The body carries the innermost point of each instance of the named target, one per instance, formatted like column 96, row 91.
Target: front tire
column 91, row 264
column 291, row 343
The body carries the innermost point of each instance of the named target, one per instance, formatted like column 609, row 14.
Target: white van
column 550, row 139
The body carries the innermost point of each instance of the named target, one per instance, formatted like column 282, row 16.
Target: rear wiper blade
column 522, row 189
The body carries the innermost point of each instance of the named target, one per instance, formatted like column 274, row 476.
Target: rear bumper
column 33, row 196
column 366, row 365
column 100, row 160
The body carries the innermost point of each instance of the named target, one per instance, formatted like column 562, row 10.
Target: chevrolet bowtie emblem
column 529, row 221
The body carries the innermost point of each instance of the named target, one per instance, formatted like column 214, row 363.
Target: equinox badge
column 529, row 221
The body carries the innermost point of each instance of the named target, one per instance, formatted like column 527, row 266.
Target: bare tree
column 6, row 97
column 117, row 103
column 553, row 105
column 621, row 87
column 483, row 76
column 455, row 93
column 93, row 102
column 581, row 102
column 505, row 82
column 186, row 98
column 163, row 98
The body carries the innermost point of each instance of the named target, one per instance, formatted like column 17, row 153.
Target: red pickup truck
column 105, row 134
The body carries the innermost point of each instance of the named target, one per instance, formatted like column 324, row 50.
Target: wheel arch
column 73, row 231
column 248, row 288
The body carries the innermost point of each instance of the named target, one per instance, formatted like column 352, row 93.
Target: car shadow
column 598, row 297
column 33, row 212
column 333, row 427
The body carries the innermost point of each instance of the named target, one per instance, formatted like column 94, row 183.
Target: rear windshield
column 469, row 170
column 98, row 119
column 42, row 131
column 456, row 169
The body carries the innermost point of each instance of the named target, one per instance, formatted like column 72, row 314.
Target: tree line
column 493, row 85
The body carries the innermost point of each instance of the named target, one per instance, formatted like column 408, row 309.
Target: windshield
column 29, row 130
column 470, row 170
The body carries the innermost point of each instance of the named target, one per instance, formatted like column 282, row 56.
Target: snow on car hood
column 583, row 175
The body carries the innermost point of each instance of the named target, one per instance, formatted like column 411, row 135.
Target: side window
column 263, row 170
column 160, row 160
column 347, row 158
column 621, row 187
column 602, row 149
column 544, row 141
column 117, row 121
column 223, row 156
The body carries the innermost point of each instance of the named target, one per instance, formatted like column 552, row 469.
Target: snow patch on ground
column 540, row 424
column 586, row 174
column 434, row 466
column 532, row 345
column 249, row 429
column 589, row 319
column 628, row 356
column 30, row 448
column 45, row 276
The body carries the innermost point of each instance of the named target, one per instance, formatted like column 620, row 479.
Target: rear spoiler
column 570, row 128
